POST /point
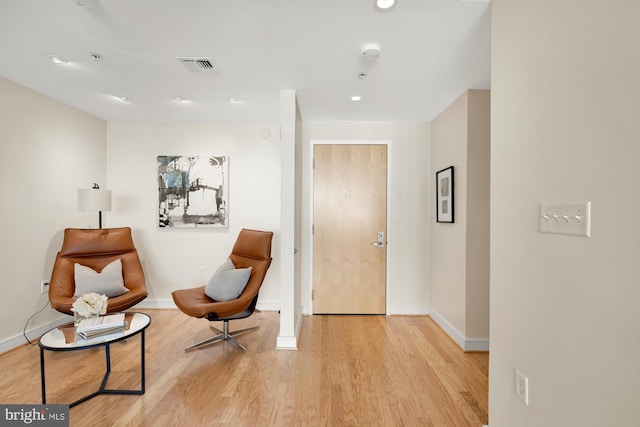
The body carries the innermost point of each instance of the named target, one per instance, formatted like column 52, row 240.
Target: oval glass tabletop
column 65, row 338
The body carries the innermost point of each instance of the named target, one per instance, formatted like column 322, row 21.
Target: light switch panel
column 566, row 218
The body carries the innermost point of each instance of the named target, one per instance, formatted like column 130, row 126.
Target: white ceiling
column 431, row 52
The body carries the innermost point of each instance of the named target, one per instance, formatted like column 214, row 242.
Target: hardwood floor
column 347, row 371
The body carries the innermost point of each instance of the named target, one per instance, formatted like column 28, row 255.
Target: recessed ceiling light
column 356, row 98
column 385, row 4
column 58, row 60
column 179, row 99
column 123, row 98
column 233, row 100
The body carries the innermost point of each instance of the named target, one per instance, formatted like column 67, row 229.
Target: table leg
column 42, row 378
column 142, row 369
column 107, row 353
column 102, row 389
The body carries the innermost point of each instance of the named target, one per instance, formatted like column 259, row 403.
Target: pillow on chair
column 227, row 282
column 108, row 282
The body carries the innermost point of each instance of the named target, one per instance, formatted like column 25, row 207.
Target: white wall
column 49, row 150
column 410, row 202
column 298, row 255
column 172, row 257
column 290, row 213
column 564, row 310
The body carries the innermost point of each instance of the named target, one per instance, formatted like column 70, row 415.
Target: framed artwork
column 192, row 191
column 444, row 195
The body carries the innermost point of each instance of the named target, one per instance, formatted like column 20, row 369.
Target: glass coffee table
column 64, row 338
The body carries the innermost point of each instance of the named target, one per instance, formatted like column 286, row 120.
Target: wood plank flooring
column 347, row 371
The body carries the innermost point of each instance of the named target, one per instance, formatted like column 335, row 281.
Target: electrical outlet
column 44, row 286
column 522, row 387
column 201, row 271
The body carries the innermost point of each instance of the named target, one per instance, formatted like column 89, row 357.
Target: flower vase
column 88, row 305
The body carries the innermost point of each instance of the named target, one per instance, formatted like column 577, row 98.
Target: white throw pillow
column 108, row 282
column 227, row 282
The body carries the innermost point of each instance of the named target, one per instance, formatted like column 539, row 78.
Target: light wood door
column 349, row 210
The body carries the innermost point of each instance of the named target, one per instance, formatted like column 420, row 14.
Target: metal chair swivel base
column 224, row 335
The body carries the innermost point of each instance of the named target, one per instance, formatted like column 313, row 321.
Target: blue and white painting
column 192, row 191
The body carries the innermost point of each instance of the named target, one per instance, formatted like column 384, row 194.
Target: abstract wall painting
column 192, row 191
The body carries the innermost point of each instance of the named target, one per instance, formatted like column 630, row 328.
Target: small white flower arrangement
column 90, row 305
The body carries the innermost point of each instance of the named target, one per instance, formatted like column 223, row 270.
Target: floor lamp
column 94, row 199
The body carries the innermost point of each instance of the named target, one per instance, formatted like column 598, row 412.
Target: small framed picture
column 444, row 195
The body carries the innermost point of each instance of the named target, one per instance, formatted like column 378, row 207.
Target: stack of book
column 103, row 327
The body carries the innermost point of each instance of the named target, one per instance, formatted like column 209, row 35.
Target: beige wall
column 48, row 151
column 478, row 217
column 449, row 241
column 409, row 198
column 460, row 251
column 564, row 309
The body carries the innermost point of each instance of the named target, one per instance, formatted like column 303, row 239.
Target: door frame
column 312, row 144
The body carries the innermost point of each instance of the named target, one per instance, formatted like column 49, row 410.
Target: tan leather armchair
column 252, row 248
column 95, row 248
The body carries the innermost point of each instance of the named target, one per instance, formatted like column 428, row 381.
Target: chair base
column 224, row 335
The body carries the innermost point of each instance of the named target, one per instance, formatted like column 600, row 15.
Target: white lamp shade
column 90, row 199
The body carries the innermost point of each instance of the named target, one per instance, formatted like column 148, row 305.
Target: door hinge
column 313, row 294
column 314, row 164
column 313, row 228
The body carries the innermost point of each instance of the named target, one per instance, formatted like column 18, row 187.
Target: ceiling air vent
column 197, row 64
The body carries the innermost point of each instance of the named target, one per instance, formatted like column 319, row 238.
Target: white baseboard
column 306, row 310
column 405, row 309
column 476, row 344
column 409, row 309
column 290, row 342
column 453, row 333
column 155, row 303
column 286, row 343
column 167, row 303
column 467, row 344
column 34, row 333
column 268, row 305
